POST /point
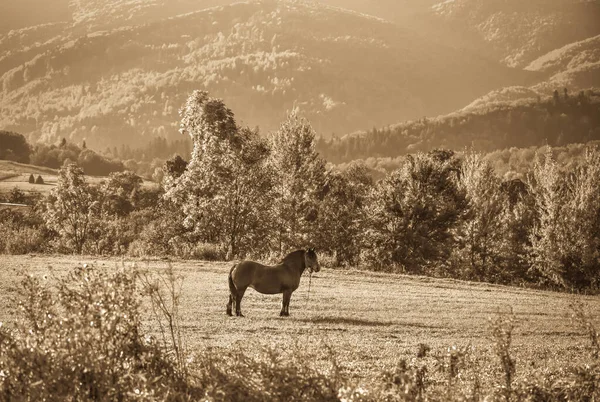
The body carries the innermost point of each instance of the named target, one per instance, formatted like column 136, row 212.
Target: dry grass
column 371, row 321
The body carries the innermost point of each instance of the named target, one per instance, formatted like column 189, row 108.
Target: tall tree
column 412, row 214
column 565, row 243
column 342, row 213
column 71, row 208
column 299, row 180
column 223, row 190
column 483, row 230
column 547, row 191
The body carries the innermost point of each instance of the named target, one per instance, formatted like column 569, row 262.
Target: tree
column 97, row 165
column 71, row 208
column 582, row 214
column 14, row 147
column 299, row 181
column 565, row 243
column 224, row 191
column 412, row 214
column 121, row 192
column 173, row 169
column 545, row 186
column 483, row 230
column 342, row 215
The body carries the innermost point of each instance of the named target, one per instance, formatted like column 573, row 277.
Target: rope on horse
column 309, row 281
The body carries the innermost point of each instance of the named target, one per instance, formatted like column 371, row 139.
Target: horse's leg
column 230, row 305
column 238, row 302
column 232, row 291
column 285, row 305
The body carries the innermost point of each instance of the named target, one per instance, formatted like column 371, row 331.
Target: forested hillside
column 558, row 120
column 344, row 71
column 518, row 32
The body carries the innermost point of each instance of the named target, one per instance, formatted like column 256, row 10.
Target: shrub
column 233, row 375
column 22, row 232
column 14, row 147
column 81, row 339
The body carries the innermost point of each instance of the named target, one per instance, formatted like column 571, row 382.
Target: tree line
column 557, row 120
column 245, row 196
column 14, row 147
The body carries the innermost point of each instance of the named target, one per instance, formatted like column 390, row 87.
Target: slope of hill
column 576, row 65
column 487, row 127
column 518, row 32
column 345, row 71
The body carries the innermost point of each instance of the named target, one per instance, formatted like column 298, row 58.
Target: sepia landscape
column 359, row 200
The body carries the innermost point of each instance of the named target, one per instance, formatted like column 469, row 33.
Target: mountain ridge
column 344, row 71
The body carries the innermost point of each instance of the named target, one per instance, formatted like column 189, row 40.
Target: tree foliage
column 14, row 147
column 72, row 208
column 481, row 234
column 342, row 213
column 565, row 242
column 299, row 181
column 224, row 189
column 574, row 119
column 413, row 213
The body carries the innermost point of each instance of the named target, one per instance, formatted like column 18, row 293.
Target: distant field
column 370, row 320
column 13, row 174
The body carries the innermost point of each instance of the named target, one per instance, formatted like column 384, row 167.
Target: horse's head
column 310, row 258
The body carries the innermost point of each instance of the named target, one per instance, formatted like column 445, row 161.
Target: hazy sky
column 21, row 13
column 16, row 14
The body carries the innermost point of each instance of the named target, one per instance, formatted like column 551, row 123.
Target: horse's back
column 263, row 278
column 244, row 271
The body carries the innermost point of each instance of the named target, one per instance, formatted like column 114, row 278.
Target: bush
column 81, row 339
column 17, row 240
column 14, row 147
column 268, row 376
column 97, row 165
column 22, row 232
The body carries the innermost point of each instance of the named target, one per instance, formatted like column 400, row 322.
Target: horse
column 281, row 278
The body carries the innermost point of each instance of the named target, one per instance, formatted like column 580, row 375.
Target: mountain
column 576, row 66
column 110, row 78
column 555, row 120
column 517, row 32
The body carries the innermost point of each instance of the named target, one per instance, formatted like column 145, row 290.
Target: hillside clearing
column 14, row 174
column 371, row 321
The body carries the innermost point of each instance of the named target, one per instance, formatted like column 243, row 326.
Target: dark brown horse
column 281, row 278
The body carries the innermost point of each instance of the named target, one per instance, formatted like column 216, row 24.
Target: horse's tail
column 232, row 287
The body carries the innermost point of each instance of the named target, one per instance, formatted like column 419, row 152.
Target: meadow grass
column 369, row 321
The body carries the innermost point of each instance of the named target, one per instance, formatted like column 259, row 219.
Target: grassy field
column 13, row 174
column 369, row 320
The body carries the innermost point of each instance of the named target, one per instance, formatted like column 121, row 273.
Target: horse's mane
column 292, row 256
